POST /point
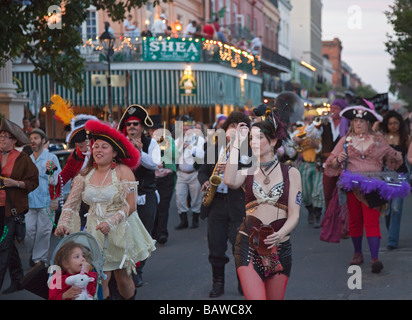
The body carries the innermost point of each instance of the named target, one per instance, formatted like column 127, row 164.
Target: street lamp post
column 107, row 41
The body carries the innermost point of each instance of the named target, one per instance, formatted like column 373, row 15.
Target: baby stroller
column 37, row 279
column 96, row 256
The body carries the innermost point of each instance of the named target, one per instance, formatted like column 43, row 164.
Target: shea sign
column 173, row 49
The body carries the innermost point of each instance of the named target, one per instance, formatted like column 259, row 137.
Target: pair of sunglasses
column 135, row 124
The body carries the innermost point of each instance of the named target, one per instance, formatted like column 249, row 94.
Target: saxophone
column 215, row 180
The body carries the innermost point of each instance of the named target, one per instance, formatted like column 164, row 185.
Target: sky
column 362, row 27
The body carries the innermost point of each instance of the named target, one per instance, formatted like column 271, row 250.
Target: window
column 91, row 25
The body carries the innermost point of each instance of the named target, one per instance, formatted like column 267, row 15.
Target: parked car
column 56, row 146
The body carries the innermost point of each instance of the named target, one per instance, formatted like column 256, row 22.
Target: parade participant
column 72, row 258
column 165, row 178
column 40, row 217
column 227, row 208
column 394, row 130
column 108, row 186
column 189, row 147
column 132, row 124
column 310, row 145
column 330, row 137
column 19, row 176
column 273, row 199
column 76, row 162
column 362, row 150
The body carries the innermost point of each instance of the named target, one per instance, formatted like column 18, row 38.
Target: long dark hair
column 403, row 132
column 269, row 131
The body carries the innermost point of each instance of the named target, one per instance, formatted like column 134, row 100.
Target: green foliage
column 24, row 32
column 400, row 47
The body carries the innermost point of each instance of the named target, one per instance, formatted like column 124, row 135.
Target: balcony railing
column 274, row 57
column 132, row 50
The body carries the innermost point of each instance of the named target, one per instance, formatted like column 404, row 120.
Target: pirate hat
column 135, row 112
column 157, row 121
column 15, row 131
column 127, row 153
column 365, row 111
column 77, row 133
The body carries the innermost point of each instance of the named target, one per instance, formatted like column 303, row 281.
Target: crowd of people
column 249, row 179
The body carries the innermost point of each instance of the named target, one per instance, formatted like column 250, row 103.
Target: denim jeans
column 393, row 221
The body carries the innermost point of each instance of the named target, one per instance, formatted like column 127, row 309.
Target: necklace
column 267, row 180
column 268, row 164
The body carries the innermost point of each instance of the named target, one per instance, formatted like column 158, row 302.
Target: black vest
column 146, row 177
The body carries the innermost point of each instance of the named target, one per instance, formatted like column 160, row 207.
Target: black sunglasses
column 128, row 124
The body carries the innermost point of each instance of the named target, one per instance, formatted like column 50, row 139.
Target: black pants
column 223, row 221
column 165, row 187
column 147, row 213
column 9, row 255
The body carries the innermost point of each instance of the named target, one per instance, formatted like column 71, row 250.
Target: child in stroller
column 72, row 258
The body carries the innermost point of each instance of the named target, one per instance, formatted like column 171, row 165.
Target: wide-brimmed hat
column 15, row 131
column 126, row 151
column 40, row 132
column 77, row 133
column 134, row 112
column 365, row 112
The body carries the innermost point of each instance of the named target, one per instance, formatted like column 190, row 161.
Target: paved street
column 179, row 270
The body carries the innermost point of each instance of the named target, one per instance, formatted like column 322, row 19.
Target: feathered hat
column 62, row 109
column 365, row 111
column 127, row 153
column 77, row 133
column 134, row 112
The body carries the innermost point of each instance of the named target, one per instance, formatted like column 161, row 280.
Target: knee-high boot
column 218, row 282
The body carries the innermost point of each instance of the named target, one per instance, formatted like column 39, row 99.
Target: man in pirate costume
column 132, row 124
column 227, row 210
column 75, row 163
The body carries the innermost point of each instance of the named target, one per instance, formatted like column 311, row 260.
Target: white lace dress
column 128, row 239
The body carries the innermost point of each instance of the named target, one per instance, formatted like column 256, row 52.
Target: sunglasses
column 135, row 124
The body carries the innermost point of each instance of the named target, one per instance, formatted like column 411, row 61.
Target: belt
column 187, row 171
column 220, row 195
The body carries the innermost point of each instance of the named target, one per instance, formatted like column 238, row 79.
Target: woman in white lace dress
column 109, row 187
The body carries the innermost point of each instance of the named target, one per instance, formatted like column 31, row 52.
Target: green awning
column 150, row 87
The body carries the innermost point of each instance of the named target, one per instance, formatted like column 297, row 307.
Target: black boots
column 311, row 216
column 218, row 282
column 317, row 212
column 195, row 220
column 183, row 221
column 314, row 216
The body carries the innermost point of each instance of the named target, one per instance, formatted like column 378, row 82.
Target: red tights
column 254, row 289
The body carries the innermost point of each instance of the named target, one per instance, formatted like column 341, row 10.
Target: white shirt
column 127, row 25
column 159, row 27
column 186, row 156
column 190, row 30
column 152, row 158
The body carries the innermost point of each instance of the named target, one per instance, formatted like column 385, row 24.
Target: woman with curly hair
column 394, row 130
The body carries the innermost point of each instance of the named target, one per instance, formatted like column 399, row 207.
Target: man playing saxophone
column 227, row 208
column 308, row 140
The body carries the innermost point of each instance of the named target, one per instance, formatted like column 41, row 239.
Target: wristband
column 18, row 184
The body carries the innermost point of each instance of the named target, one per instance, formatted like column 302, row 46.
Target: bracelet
column 338, row 161
column 18, row 184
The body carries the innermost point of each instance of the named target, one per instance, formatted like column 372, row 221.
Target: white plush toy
column 81, row 281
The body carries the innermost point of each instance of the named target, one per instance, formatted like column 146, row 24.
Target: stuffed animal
column 81, row 280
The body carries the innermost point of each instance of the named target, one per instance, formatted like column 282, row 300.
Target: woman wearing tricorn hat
column 134, row 121
column 19, row 176
column 108, row 186
column 359, row 153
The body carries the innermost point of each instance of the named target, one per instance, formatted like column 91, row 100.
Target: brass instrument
column 215, row 180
